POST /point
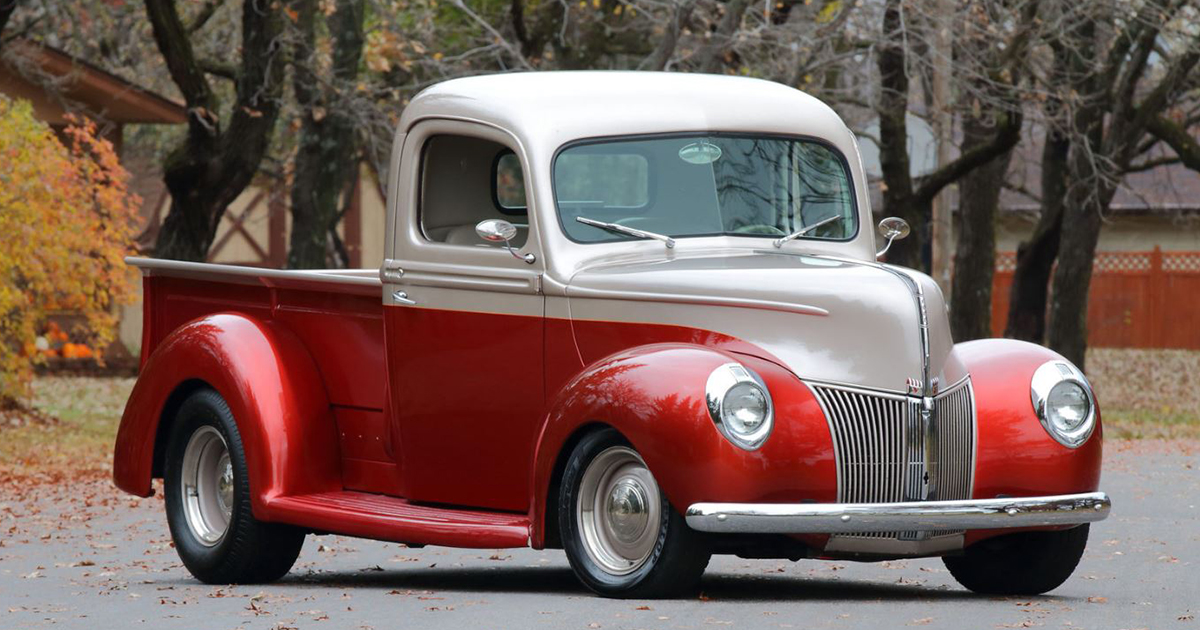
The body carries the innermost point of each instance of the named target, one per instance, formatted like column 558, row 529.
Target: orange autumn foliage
column 67, row 220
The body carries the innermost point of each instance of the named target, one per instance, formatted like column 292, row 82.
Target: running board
column 393, row 519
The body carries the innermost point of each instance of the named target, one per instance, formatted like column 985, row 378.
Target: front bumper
column 846, row 518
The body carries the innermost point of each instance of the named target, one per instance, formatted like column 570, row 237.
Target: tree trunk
column 1073, row 276
column 6, row 10
column 892, row 107
column 975, row 249
column 1035, row 257
column 213, row 165
column 325, row 160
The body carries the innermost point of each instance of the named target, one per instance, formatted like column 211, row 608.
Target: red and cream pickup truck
column 635, row 316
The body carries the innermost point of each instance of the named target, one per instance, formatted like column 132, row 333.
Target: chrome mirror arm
column 879, row 254
column 529, row 258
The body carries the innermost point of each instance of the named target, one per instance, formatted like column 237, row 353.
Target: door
column 463, row 321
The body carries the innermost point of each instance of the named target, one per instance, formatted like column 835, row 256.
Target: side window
column 461, row 185
column 509, row 182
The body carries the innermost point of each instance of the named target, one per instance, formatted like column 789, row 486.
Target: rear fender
column 654, row 396
column 273, row 389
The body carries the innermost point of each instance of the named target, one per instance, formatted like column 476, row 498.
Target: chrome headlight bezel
column 720, row 382
column 1046, row 378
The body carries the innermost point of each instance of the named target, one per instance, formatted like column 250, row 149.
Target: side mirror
column 892, row 229
column 501, row 231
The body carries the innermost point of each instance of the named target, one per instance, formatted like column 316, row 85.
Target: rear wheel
column 622, row 537
column 208, row 501
column 1025, row 563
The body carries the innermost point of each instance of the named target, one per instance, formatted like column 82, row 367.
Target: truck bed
column 338, row 316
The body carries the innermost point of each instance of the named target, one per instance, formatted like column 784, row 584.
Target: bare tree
column 220, row 154
column 1112, row 99
column 912, row 198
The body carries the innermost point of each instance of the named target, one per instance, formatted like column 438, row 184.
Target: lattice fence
column 1138, row 299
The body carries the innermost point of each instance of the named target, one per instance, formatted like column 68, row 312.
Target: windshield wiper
column 805, row 230
column 628, row 231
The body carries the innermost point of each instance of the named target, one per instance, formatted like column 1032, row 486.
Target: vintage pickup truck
column 635, row 316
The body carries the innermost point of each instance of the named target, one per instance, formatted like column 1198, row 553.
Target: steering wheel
column 759, row 228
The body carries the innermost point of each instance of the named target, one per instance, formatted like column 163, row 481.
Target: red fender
column 1015, row 456
column 272, row 387
column 654, row 395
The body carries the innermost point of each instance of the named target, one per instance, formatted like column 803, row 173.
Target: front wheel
column 208, row 501
column 1025, row 563
column 622, row 537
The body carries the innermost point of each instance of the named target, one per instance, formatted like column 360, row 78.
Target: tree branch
column 218, row 68
column 661, row 56
column 205, row 14
column 1006, row 137
column 177, row 51
column 1177, row 137
column 709, row 58
column 491, row 30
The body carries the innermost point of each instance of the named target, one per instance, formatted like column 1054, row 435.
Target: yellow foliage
column 67, row 220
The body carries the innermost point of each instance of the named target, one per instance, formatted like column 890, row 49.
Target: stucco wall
column 1120, row 233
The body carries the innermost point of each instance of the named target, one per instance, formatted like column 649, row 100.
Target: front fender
column 273, row 388
column 654, row 396
column 1015, row 456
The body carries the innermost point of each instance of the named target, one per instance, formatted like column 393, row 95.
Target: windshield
column 704, row 185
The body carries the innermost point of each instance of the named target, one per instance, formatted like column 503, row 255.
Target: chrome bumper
column 845, row 518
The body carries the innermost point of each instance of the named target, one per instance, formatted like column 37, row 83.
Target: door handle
column 400, row 297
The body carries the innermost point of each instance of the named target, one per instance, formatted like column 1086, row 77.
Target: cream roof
column 550, row 108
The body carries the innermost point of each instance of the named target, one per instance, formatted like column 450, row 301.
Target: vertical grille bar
column 877, row 437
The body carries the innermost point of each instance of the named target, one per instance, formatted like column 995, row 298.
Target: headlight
column 740, row 405
column 1064, row 402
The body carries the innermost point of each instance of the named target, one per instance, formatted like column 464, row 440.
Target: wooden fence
column 1138, row 299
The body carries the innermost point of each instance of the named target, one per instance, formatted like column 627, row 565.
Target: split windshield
column 704, row 185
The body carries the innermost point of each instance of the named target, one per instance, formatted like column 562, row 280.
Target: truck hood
column 827, row 319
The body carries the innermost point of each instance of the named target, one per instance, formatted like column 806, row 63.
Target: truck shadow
column 561, row 581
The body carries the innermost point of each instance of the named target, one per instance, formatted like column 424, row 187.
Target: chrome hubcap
column 619, row 510
column 207, row 486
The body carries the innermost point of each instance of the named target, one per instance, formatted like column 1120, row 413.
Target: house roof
column 55, row 82
column 1165, row 189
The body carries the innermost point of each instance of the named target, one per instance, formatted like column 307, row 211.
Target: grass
column 1147, row 393
column 1144, row 394
column 74, row 436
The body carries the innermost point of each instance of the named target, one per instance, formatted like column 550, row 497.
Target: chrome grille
column 956, row 443
column 879, row 446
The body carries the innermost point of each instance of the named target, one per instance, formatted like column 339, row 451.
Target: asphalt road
column 84, row 556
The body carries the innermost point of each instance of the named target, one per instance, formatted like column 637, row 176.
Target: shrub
column 67, row 220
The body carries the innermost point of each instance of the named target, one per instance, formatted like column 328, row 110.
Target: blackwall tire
column 208, row 500
column 1024, row 563
column 621, row 535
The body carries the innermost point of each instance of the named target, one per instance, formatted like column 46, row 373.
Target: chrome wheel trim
column 619, row 511
column 207, row 486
